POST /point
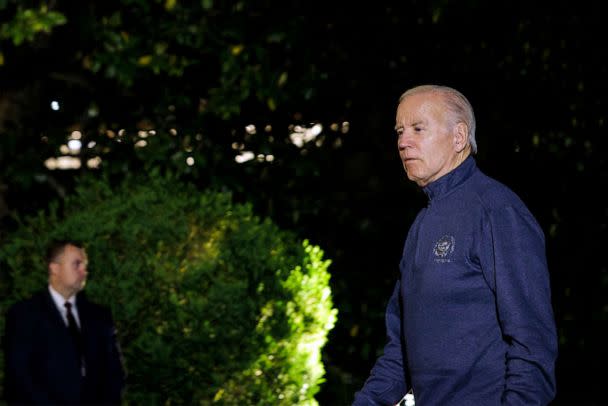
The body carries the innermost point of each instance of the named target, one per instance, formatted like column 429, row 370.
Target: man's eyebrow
column 415, row 123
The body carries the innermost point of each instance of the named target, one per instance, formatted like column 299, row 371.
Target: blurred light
column 63, row 162
column 64, row 149
column 51, row 163
column 345, row 127
column 152, row 132
column 250, row 129
column 297, row 139
column 268, row 128
column 244, row 157
column 110, row 134
column 121, row 132
column 260, row 157
column 269, row 158
column 74, row 145
column 91, row 144
column 302, row 135
column 94, row 162
column 76, row 135
column 142, row 134
column 55, row 105
column 141, row 144
column 190, row 161
column 334, row 126
column 173, row 131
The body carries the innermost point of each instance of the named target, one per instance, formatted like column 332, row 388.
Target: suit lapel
column 57, row 352
column 53, row 313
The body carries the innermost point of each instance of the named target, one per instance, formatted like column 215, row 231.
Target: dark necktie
column 75, row 334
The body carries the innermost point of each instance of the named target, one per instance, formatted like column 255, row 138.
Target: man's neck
column 66, row 294
column 463, row 155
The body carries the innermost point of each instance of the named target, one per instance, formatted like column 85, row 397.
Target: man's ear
column 53, row 268
column 461, row 136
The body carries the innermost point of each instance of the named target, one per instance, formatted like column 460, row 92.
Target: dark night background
column 534, row 73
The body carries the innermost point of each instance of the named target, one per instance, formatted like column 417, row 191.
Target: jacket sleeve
column 514, row 261
column 386, row 384
column 19, row 349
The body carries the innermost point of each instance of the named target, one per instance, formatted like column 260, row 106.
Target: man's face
column 69, row 271
column 426, row 138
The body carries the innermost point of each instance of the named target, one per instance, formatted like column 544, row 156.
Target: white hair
column 458, row 106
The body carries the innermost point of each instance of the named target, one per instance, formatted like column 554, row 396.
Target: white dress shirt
column 60, row 303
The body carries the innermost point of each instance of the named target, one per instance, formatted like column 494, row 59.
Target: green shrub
column 212, row 304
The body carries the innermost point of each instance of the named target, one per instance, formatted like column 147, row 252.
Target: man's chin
column 411, row 176
column 416, row 180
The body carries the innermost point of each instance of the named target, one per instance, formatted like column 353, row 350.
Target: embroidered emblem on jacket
column 443, row 248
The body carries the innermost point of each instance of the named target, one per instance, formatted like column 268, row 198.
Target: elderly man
column 470, row 321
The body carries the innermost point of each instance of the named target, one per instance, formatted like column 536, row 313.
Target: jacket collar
column 451, row 180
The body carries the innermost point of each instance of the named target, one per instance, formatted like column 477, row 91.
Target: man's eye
column 417, row 129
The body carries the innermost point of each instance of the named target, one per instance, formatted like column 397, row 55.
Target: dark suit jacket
column 42, row 364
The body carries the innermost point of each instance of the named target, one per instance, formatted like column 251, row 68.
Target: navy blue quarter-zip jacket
column 470, row 322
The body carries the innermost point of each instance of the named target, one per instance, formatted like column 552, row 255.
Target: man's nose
column 404, row 141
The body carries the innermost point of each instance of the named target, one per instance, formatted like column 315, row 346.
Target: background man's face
column 69, row 271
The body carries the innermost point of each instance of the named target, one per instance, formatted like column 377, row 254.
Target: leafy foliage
column 28, row 22
column 212, row 304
